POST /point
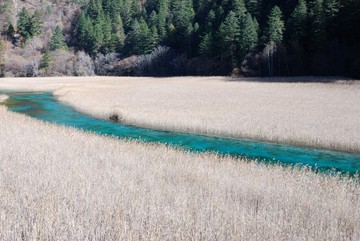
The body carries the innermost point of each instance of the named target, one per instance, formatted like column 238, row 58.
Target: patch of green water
column 44, row 106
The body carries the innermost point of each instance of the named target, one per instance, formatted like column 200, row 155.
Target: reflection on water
column 44, row 106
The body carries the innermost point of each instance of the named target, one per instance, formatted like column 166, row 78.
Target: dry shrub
column 83, row 65
column 62, row 63
column 125, row 67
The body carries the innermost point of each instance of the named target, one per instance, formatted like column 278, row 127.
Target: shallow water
column 45, row 107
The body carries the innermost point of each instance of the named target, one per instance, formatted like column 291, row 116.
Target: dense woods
column 180, row 37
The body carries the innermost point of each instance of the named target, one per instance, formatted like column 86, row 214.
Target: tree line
column 251, row 37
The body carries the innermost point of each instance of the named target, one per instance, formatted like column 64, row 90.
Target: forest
column 180, row 37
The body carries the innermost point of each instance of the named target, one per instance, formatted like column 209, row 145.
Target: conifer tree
column 108, row 45
column 331, row 8
column 298, row 21
column 317, row 26
column 45, row 60
column 209, row 21
column 206, row 45
column 118, row 36
column 183, row 16
column 153, row 19
column 253, row 7
column 85, row 33
column 275, row 26
column 139, row 40
column 298, row 36
column 98, row 35
column 24, row 24
column 57, row 41
column 154, row 37
column 239, row 8
column 29, row 26
column 162, row 18
column 94, row 9
column 229, row 32
column 2, row 58
column 36, row 24
column 147, row 39
column 248, row 37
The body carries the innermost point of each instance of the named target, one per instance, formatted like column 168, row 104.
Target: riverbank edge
column 58, row 89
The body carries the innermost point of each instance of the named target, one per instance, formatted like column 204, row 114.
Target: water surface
column 45, row 107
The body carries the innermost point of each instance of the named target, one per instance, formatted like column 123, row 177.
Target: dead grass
column 324, row 114
column 58, row 183
column 3, row 98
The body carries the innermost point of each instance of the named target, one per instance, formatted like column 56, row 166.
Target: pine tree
column 85, row 34
column 45, row 60
column 24, row 24
column 118, row 36
column 57, row 41
column 239, row 8
column 139, row 40
column 147, row 39
column 183, row 17
column 229, row 33
column 206, row 45
column 298, row 37
column 209, row 21
column 29, row 26
column 275, row 26
column 154, row 38
column 94, row 9
column 108, row 45
column 2, row 58
column 331, row 8
column 248, row 37
column 36, row 24
column 317, row 26
column 253, row 7
column 153, row 19
column 98, row 34
column 162, row 18
column 298, row 21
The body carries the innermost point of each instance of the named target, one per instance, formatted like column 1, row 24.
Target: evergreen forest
column 182, row 37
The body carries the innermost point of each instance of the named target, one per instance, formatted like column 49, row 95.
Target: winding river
column 44, row 106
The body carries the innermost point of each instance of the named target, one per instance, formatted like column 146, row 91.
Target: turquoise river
column 44, row 106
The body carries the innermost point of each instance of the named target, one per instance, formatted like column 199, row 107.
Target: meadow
column 59, row 183
column 322, row 114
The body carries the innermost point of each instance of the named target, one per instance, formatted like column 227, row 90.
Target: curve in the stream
column 44, row 106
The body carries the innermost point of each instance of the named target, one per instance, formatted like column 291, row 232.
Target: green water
column 44, row 106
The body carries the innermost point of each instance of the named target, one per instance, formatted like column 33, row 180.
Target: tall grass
column 323, row 114
column 58, row 183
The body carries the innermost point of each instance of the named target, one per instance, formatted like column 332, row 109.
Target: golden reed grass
column 58, row 183
column 324, row 114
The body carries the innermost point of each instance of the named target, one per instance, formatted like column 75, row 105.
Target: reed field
column 322, row 114
column 58, row 183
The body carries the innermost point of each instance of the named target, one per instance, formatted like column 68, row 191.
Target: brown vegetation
column 310, row 114
column 59, row 183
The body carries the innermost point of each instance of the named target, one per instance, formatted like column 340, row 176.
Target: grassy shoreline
column 94, row 187
column 294, row 113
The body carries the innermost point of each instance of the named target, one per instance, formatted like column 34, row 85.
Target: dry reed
column 57, row 183
column 324, row 115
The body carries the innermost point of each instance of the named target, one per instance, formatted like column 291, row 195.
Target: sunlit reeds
column 58, row 183
column 322, row 114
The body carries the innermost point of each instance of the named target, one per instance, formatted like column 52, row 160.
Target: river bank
column 61, row 183
column 323, row 114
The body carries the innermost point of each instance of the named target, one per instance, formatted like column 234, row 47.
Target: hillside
column 186, row 37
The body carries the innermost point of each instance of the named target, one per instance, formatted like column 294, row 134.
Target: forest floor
column 61, row 183
column 323, row 113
